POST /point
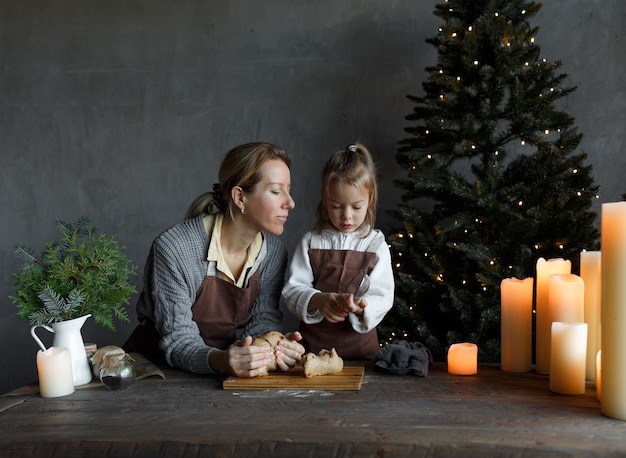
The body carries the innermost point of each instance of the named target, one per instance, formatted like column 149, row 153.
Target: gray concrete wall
column 121, row 110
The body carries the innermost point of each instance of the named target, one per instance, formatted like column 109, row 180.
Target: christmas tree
column 495, row 180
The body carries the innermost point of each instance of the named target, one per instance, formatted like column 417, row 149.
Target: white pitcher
column 67, row 334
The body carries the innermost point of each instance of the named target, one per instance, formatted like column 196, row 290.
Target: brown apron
column 220, row 311
column 332, row 272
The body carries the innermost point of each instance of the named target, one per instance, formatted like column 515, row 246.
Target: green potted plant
column 80, row 274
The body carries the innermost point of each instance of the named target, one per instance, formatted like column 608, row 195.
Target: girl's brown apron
column 220, row 311
column 332, row 272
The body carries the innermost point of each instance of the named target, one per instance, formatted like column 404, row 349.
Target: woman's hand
column 242, row 359
column 288, row 351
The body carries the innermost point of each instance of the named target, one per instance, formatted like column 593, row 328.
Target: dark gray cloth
column 402, row 357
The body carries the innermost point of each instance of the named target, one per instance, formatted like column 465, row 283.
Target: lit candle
column 613, row 243
column 568, row 357
column 516, row 314
column 590, row 273
column 463, row 359
column 542, row 310
column 54, row 366
column 599, row 375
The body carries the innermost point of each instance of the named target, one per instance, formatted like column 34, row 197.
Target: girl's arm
column 380, row 295
column 298, row 290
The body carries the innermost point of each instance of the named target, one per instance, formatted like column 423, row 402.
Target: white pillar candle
column 516, row 312
column 590, row 273
column 568, row 358
column 54, row 366
column 599, row 375
column 542, row 310
column 463, row 359
column 566, row 298
column 613, row 265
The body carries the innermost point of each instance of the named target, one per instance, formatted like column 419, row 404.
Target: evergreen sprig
column 80, row 273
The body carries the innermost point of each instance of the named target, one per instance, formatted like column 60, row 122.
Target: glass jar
column 118, row 376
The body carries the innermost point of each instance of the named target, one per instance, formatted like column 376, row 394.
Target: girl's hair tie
column 351, row 148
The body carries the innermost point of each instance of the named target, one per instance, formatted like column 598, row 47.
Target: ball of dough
column 270, row 338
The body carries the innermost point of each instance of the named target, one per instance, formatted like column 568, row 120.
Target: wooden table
column 490, row 414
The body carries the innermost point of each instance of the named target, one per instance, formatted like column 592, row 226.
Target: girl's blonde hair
column 240, row 167
column 355, row 166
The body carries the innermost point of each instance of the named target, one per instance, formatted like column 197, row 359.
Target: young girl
column 331, row 260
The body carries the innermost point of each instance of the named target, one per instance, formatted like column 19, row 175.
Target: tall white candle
column 516, row 312
column 613, row 245
column 568, row 357
column 542, row 309
column 566, row 298
column 590, row 272
column 54, row 366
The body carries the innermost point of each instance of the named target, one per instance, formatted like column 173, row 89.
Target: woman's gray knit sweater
column 174, row 271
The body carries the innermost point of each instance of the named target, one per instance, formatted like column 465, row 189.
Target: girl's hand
column 331, row 306
column 357, row 307
column 288, row 351
column 242, row 359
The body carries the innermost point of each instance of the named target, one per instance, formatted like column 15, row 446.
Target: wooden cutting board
column 349, row 379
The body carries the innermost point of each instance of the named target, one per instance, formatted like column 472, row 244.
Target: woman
column 214, row 280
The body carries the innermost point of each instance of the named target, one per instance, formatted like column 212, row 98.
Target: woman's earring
column 243, row 210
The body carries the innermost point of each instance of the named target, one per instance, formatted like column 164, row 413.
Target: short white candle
column 463, row 359
column 542, row 309
column 516, row 315
column 568, row 358
column 54, row 366
column 590, row 272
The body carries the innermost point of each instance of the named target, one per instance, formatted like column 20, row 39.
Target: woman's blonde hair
column 355, row 166
column 240, row 167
